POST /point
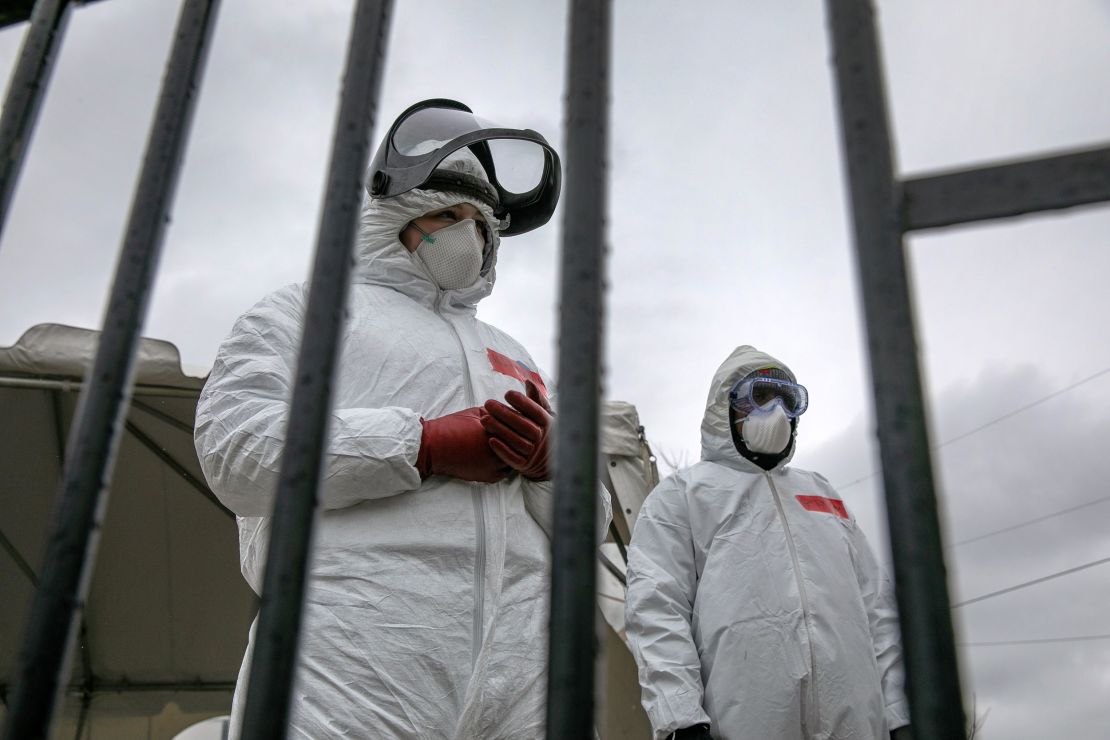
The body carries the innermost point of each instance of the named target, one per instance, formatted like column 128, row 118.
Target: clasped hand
column 487, row 443
column 520, row 433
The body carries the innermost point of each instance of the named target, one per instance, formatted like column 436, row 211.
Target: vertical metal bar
column 95, row 435
column 26, row 91
column 279, row 620
column 932, row 672
column 573, row 639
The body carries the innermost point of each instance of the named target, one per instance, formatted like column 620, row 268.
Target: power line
column 1041, row 641
column 992, row 422
column 1033, row 582
column 1026, row 407
column 1027, row 523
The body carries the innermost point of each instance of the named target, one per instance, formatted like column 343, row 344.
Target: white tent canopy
column 167, row 611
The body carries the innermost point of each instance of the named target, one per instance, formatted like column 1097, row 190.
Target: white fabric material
column 426, row 604
column 621, row 430
column 453, row 255
column 56, row 350
column 767, row 430
column 749, row 610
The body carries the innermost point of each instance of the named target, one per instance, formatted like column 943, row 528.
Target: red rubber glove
column 457, row 445
column 520, row 436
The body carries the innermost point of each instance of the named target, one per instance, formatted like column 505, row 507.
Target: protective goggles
column 759, row 392
column 523, row 169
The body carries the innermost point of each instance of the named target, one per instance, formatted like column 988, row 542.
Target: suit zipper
column 479, row 505
column 805, row 604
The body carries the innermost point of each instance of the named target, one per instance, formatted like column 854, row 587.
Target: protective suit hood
column 716, row 438
column 381, row 258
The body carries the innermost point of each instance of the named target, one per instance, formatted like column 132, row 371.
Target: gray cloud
column 1032, row 463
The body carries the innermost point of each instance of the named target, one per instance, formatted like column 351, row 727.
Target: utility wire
column 992, row 422
column 1041, row 641
column 1027, row 523
column 1026, row 407
column 1033, row 582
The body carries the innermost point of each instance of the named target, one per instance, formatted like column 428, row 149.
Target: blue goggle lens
column 750, row 394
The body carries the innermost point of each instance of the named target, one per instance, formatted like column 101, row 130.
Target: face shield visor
column 762, row 392
column 523, row 169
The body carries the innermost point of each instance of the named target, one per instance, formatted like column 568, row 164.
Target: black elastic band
column 463, row 184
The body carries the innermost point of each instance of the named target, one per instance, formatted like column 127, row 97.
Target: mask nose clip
column 424, row 235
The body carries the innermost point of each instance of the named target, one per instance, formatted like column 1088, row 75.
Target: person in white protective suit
column 756, row 609
column 426, row 602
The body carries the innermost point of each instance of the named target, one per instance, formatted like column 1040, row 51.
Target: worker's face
column 432, row 222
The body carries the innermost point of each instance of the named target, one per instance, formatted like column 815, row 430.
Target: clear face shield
column 523, row 169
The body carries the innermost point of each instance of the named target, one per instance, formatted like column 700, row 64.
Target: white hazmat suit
column 754, row 601
column 426, row 604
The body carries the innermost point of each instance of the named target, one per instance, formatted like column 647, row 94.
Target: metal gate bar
column 26, row 91
column 932, row 674
column 271, row 676
column 71, row 550
column 572, row 638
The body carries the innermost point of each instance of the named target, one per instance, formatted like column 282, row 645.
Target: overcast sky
column 727, row 226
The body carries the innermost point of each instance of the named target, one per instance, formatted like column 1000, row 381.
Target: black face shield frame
column 526, row 196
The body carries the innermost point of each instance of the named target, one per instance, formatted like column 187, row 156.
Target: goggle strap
column 463, row 184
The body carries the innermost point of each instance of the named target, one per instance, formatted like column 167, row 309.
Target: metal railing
column 884, row 208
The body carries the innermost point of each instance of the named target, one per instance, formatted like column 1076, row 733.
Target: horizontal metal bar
column 18, row 11
column 95, row 434
column 1007, row 189
column 76, row 386
column 26, row 92
column 270, row 685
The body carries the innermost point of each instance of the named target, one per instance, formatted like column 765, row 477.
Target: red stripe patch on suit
column 824, row 505
column 514, row 369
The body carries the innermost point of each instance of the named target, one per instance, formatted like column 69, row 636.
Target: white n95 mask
column 766, row 431
column 453, row 255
